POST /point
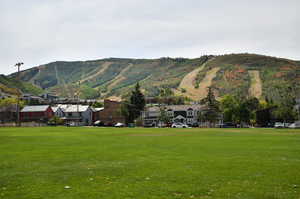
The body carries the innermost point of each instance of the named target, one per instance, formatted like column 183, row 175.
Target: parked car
column 228, row 125
column 295, row 125
column 179, row 125
column 279, row 125
column 98, row 123
column 195, row 125
column 119, row 124
column 71, row 124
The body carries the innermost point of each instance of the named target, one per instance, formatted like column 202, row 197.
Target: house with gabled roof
column 39, row 113
column 186, row 114
column 58, row 111
column 79, row 114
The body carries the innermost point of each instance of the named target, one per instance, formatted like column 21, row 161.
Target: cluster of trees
column 239, row 110
column 249, row 110
column 11, row 101
column 167, row 96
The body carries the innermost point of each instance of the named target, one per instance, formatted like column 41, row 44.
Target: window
column 189, row 120
column 190, row 112
column 170, row 113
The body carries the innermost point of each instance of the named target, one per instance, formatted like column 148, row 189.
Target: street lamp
column 19, row 64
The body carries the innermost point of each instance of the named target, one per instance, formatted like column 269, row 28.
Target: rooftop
column 176, row 107
column 38, row 108
column 76, row 108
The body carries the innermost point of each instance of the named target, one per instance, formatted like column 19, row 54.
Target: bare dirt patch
column 206, row 82
column 188, row 83
column 255, row 89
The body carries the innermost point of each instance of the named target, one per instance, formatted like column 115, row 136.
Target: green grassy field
column 149, row 163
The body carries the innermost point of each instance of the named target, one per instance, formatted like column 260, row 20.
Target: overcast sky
column 41, row 31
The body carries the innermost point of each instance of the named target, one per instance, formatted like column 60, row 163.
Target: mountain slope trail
column 255, row 89
column 120, row 77
column 32, row 80
column 188, row 82
column 99, row 72
column 206, row 82
column 56, row 74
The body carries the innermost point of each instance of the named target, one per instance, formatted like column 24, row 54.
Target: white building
column 58, row 111
column 187, row 114
column 79, row 114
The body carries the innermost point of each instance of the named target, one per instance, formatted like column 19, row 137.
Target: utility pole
column 78, row 92
column 19, row 64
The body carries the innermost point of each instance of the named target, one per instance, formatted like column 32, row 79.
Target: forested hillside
column 256, row 75
column 246, row 74
column 12, row 87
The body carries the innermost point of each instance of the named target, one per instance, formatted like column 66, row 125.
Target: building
column 187, row 114
column 96, row 114
column 8, row 113
column 49, row 97
column 32, row 99
column 39, row 113
column 78, row 114
column 111, row 114
column 58, row 111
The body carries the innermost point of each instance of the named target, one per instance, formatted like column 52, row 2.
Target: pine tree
column 212, row 111
column 132, row 108
column 137, row 99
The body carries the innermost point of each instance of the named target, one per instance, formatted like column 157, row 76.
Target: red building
column 36, row 113
column 111, row 114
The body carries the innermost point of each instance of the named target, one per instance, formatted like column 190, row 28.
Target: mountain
column 247, row 74
column 9, row 86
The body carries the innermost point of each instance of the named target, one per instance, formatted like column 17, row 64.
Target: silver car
column 295, row 125
column 179, row 125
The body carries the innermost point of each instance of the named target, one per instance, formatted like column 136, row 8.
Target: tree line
column 245, row 110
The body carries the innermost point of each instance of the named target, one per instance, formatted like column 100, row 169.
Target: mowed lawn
column 142, row 163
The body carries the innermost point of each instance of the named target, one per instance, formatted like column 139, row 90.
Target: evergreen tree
column 131, row 109
column 212, row 111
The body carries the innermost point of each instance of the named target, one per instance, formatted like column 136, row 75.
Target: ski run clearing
column 255, row 89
